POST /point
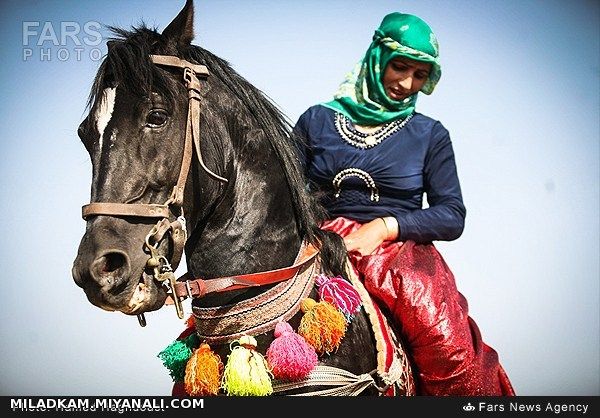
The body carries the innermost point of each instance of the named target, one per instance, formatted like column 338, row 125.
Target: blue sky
column 519, row 94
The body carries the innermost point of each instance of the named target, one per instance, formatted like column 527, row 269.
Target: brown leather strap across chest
column 195, row 288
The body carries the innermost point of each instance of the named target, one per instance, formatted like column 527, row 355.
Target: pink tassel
column 289, row 355
column 339, row 293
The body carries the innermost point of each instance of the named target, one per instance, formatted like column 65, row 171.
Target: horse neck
column 252, row 227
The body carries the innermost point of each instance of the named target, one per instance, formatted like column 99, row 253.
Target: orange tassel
column 323, row 326
column 203, row 372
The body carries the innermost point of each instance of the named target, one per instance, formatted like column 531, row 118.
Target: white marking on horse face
column 103, row 116
column 105, row 111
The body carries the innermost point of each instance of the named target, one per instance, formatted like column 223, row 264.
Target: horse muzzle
column 112, row 268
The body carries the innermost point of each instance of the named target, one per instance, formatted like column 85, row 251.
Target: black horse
column 171, row 122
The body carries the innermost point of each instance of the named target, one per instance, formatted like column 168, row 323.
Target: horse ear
column 181, row 29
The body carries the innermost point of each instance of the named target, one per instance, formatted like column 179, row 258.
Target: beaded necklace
column 364, row 140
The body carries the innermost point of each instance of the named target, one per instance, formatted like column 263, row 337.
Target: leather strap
column 193, row 86
column 196, row 288
column 178, row 237
column 172, row 61
column 125, row 209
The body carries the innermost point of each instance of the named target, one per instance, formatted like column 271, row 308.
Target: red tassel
column 190, row 322
column 340, row 293
column 289, row 355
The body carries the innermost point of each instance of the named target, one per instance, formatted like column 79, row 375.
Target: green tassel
column 176, row 355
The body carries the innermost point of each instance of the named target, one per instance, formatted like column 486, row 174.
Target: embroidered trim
column 346, row 383
column 392, row 364
column 257, row 315
column 399, row 373
column 361, row 174
column 363, row 140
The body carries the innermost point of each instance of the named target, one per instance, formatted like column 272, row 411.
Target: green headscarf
column 362, row 97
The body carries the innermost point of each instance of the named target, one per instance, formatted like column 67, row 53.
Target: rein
column 162, row 269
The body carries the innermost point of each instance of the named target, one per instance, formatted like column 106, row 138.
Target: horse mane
column 127, row 63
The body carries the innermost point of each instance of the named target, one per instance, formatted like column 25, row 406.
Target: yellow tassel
column 247, row 372
column 203, row 372
column 323, row 326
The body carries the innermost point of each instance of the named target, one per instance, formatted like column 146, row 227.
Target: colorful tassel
column 247, row 372
column 190, row 322
column 340, row 293
column 323, row 326
column 203, row 372
column 289, row 355
column 176, row 355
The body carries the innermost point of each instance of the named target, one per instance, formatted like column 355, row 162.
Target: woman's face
column 404, row 77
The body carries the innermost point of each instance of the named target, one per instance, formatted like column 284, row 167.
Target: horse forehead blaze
column 105, row 110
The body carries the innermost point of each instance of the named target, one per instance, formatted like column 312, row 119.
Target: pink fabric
column 413, row 283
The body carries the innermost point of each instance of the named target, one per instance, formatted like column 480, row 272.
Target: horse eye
column 156, row 118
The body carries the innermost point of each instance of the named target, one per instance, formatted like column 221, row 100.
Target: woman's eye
column 156, row 118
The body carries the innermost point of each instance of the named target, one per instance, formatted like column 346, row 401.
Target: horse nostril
column 110, row 268
column 113, row 262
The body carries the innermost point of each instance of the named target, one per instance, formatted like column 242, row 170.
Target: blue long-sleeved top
column 365, row 178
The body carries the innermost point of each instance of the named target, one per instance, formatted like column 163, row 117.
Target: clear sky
column 519, row 94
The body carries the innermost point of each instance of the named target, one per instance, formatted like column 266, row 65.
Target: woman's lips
column 396, row 94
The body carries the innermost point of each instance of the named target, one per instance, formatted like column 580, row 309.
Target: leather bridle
column 162, row 268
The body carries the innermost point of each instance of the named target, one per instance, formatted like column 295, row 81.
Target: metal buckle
column 167, row 274
column 163, row 272
column 188, row 74
column 188, row 289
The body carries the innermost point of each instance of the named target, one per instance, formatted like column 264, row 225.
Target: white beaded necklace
column 363, row 140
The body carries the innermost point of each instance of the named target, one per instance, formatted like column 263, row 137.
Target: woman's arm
column 444, row 219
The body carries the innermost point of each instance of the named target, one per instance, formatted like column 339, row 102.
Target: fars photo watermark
column 61, row 41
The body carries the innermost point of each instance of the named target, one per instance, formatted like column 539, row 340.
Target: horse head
column 135, row 134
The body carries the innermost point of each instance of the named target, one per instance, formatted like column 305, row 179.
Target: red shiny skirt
column 414, row 284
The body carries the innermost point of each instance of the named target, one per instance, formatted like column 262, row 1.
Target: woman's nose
column 406, row 83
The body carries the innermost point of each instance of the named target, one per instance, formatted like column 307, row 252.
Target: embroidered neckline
column 363, row 140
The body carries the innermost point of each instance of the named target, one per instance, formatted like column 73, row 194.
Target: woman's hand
column 368, row 237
